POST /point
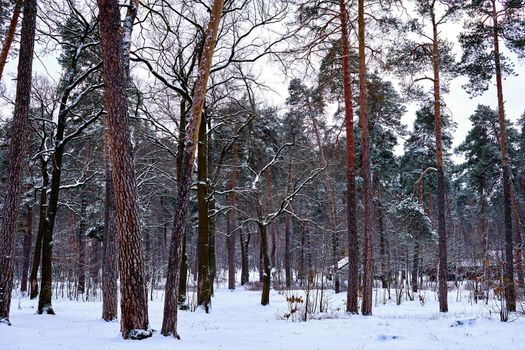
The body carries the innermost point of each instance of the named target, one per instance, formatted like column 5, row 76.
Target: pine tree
column 134, row 304
column 491, row 22
column 16, row 154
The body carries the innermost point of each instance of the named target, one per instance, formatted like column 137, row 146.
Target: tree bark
column 169, row 323
column 17, row 148
column 245, row 244
column 442, row 234
column 351, row 201
column 415, row 266
column 368, row 271
column 180, row 154
column 203, row 248
column 134, row 303
column 288, row 234
column 510, row 290
column 265, row 296
column 10, row 36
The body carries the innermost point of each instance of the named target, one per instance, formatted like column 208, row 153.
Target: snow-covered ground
column 238, row 321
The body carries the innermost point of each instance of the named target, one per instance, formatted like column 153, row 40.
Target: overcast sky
column 457, row 100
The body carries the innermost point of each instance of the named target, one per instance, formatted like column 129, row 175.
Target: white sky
column 457, row 100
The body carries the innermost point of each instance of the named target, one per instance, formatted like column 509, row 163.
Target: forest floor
column 237, row 321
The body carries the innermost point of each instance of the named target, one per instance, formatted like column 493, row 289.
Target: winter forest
column 262, row 174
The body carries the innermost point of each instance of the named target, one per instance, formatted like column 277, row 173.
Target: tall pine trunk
column 134, row 322
column 351, row 201
column 510, row 290
column 17, row 148
column 110, row 243
column 368, row 271
column 442, row 234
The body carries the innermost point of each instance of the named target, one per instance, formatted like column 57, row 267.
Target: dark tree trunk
column 203, row 249
column 180, row 154
column 232, row 221
column 265, row 296
column 169, row 323
column 510, row 290
column 245, row 244
column 368, row 273
column 288, row 234
column 353, row 251
column 442, row 278
column 415, row 266
column 28, row 239
column 44, row 299
column 134, row 303
column 17, row 148
column 10, row 36
column 211, row 248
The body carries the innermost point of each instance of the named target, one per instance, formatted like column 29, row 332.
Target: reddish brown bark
column 10, row 36
column 351, row 202
column 510, row 289
column 368, row 271
column 134, row 304
column 17, row 148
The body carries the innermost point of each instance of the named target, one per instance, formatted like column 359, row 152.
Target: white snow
column 238, row 321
